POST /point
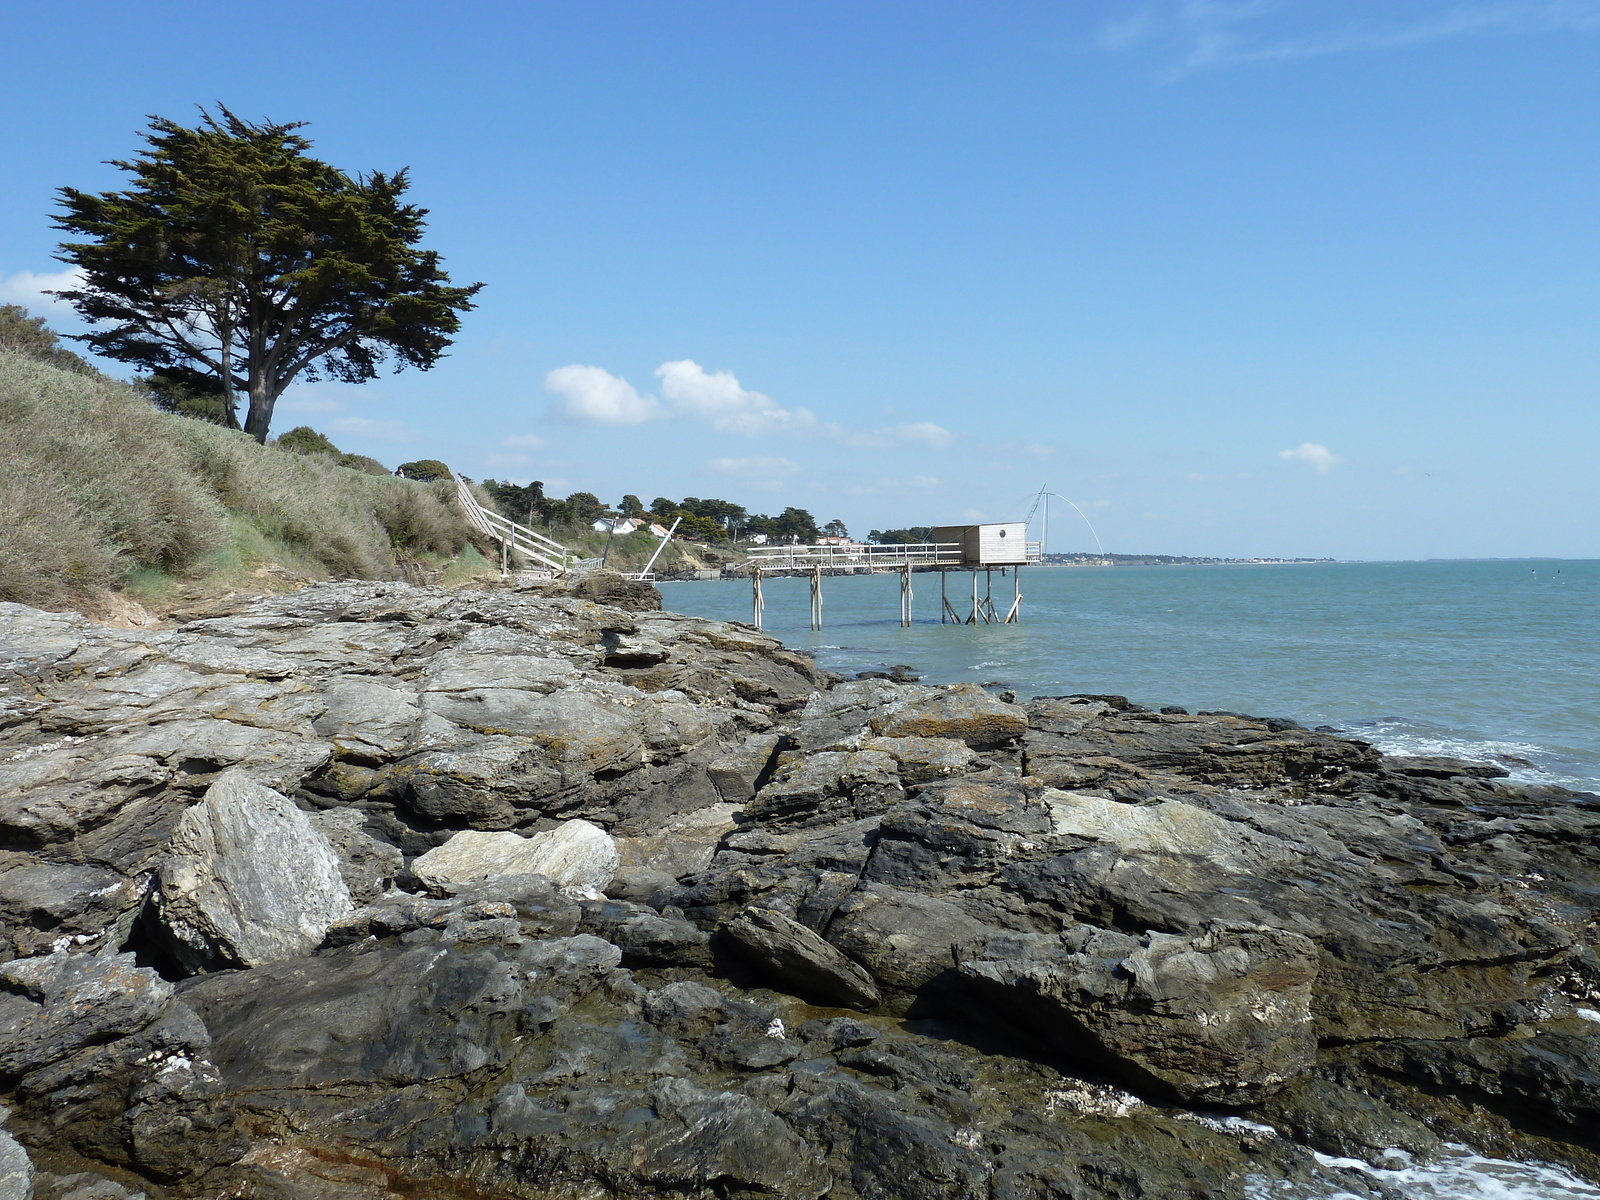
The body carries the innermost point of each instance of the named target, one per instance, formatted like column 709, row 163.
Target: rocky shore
column 374, row 891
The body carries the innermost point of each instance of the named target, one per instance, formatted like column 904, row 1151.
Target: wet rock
column 575, row 855
column 799, row 961
column 906, row 941
column 248, row 879
column 1220, row 1018
column 645, row 937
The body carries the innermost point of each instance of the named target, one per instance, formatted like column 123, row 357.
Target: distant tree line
column 699, row 519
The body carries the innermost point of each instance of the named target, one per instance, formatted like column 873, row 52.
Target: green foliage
column 237, row 262
column 190, row 395
column 426, row 470
column 303, row 439
column 103, row 491
column 30, row 336
column 584, row 507
column 902, row 537
column 521, row 503
column 631, row 506
column 91, row 490
column 835, row 528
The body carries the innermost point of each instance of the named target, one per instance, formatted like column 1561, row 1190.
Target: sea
column 1496, row 660
column 1482, row 659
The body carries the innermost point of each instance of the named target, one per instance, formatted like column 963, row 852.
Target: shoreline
column 839, row 909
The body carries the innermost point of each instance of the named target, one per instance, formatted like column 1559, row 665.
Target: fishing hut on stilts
column 962, row 549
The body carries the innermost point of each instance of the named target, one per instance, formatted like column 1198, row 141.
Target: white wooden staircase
column 516, row 541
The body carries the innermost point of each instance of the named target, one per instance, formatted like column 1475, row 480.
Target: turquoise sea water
column 1484, row 659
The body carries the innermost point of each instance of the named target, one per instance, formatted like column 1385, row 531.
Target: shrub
column 101, row 489
column 426, row 470
column 94, row 485
column 303, row 439
column 32, row 338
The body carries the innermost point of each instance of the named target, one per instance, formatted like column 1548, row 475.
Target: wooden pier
column 959, row 548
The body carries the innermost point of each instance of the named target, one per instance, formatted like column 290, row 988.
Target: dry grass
column 99, row 491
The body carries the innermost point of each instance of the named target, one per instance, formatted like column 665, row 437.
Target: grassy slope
column 100, row 493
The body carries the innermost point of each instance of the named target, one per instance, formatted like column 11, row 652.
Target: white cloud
column 1312, row 454
column 916, row 484
column 757, row 466
column 523, row 441
column 594, row 396
column 718, row 398
column 1216, row 34
column 924, row 432
column 28, row 289
column 1129, row 31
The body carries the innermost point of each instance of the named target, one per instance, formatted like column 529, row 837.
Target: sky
column 1266, row 277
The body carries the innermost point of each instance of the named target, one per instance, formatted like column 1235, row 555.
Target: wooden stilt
column 816, row 597
column 944, row 601
column 757, row 604
column 905, row 596
column 1015, row 615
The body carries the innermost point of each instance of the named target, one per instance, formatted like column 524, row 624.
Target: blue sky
column 1270, row 277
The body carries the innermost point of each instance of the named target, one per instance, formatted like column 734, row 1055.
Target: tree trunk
column 262, row 399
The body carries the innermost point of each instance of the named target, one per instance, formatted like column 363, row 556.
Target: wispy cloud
column 1213, row 34
column 31, row 290
column 593, row 396
column 1312, row 454
column 755, row 467
column 524, row 441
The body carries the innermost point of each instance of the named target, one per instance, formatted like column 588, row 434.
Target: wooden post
column 756, row 603
column 905, row 596
column 973, row 619
column 1016, row 597
column 816, row 596
column 944, row 601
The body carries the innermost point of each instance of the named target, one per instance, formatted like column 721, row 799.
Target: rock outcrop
column 372, row 889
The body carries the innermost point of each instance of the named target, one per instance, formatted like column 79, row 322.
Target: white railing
column 803, row 558
column 516, row 539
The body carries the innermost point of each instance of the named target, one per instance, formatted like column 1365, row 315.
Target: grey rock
column 575, row 855
column 963, row 711
column 16, row 1170
column 54, row 1005
column 367, row 866
column 923, row 759
column 799, row 961
column 738, row 773
column 1223, row 1017
column 81, row 1185
column 367, row 719
column 248, row 880
column 826, row 788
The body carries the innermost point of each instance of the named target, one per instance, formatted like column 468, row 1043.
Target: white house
column 621, row 526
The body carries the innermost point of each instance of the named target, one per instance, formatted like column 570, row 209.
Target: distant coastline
column 1166, row 560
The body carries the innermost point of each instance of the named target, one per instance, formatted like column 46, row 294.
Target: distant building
column 828, row 540
column 661, row 531
column 620, row 526
column 757, row 539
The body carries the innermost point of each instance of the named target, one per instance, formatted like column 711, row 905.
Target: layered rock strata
column 373, row 890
